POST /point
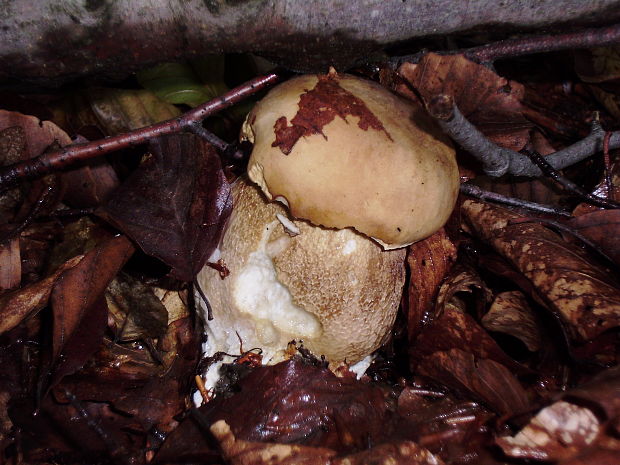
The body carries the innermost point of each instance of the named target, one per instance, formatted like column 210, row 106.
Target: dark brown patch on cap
column 318, row 107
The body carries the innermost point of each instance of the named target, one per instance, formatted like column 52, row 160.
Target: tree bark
column 57, row 40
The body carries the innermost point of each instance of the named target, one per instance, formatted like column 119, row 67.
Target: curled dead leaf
column 511, row 314
column 429, row 261
column 582, row 294
column 490, row 102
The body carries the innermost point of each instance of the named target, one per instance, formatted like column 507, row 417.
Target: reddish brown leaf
column 484, row 379
column 511, row 314
column 240, row 452
column 429, row 262
column 603, row 228
column 296, row 402
column 10, row 265
column 453, row 328
column 39, row 134
column 318, row 107
column 575, row 289
column 175, row 204
column 25, row 302
column 489, row 101
column 76, row 291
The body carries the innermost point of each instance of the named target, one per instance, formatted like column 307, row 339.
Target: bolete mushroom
column 359, row 173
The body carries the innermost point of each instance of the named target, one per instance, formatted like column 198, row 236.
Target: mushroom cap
column 342, row 152
column 336, row 291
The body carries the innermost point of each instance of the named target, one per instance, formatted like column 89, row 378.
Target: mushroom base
column 334, row 291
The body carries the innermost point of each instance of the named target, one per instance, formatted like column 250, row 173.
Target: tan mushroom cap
column 337, row 291
column 385, row 170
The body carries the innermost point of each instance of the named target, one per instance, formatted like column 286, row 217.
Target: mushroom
column 359, row 173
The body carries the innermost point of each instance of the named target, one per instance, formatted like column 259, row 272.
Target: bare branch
column 474, row 191
column 498, row 161
column 68, row 156
column 586, row 38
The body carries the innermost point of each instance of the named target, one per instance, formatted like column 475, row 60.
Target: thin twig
column 498, row 161
column 607, row 160
column 548, row 170
column 586, row 38
column 60, row 159
column 488, row 53
column 475, row 191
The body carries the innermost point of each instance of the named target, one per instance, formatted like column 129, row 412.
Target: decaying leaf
column 555, row 433
column 26, row 301
column 601, row 227
column 483, row 379
column 429, row 261
column 511, row 314
column 490, row 102
column 80, row 316
column 136, row 311
column 240, row 452
column 10, row 265
column 175, row 204
column 295, row 401
column 582, row 294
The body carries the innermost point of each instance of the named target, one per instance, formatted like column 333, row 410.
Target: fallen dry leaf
column 10, row 265
column 603, row 228
column 80, row 315
column 511, row 314
column 26, row 301
column 429, row 262
column 492, row 103
column 240, row 452
column 175, row 204
column 483, row 379
column 582, row 294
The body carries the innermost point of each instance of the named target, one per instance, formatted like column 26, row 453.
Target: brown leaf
column 318, row 107
column 484, row 379
column 556, row 432
column 511, row 314
column 240, row 452
column 175, row 204
column 76, row 291
column 136, row 311
column 27, row 301
column 10, row 265
column 599, row 227
column 429, row 261
column 490, row 102
column 453, row 328
column 38, row 134
column 297, row 402
column 579, row 292
column 602, row 391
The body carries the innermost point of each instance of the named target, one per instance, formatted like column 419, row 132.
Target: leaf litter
column 506, row 350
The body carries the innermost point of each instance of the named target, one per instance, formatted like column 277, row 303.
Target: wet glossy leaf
column 429, row 262
column 175, row 204
column 483, row 379
column 581, row 293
